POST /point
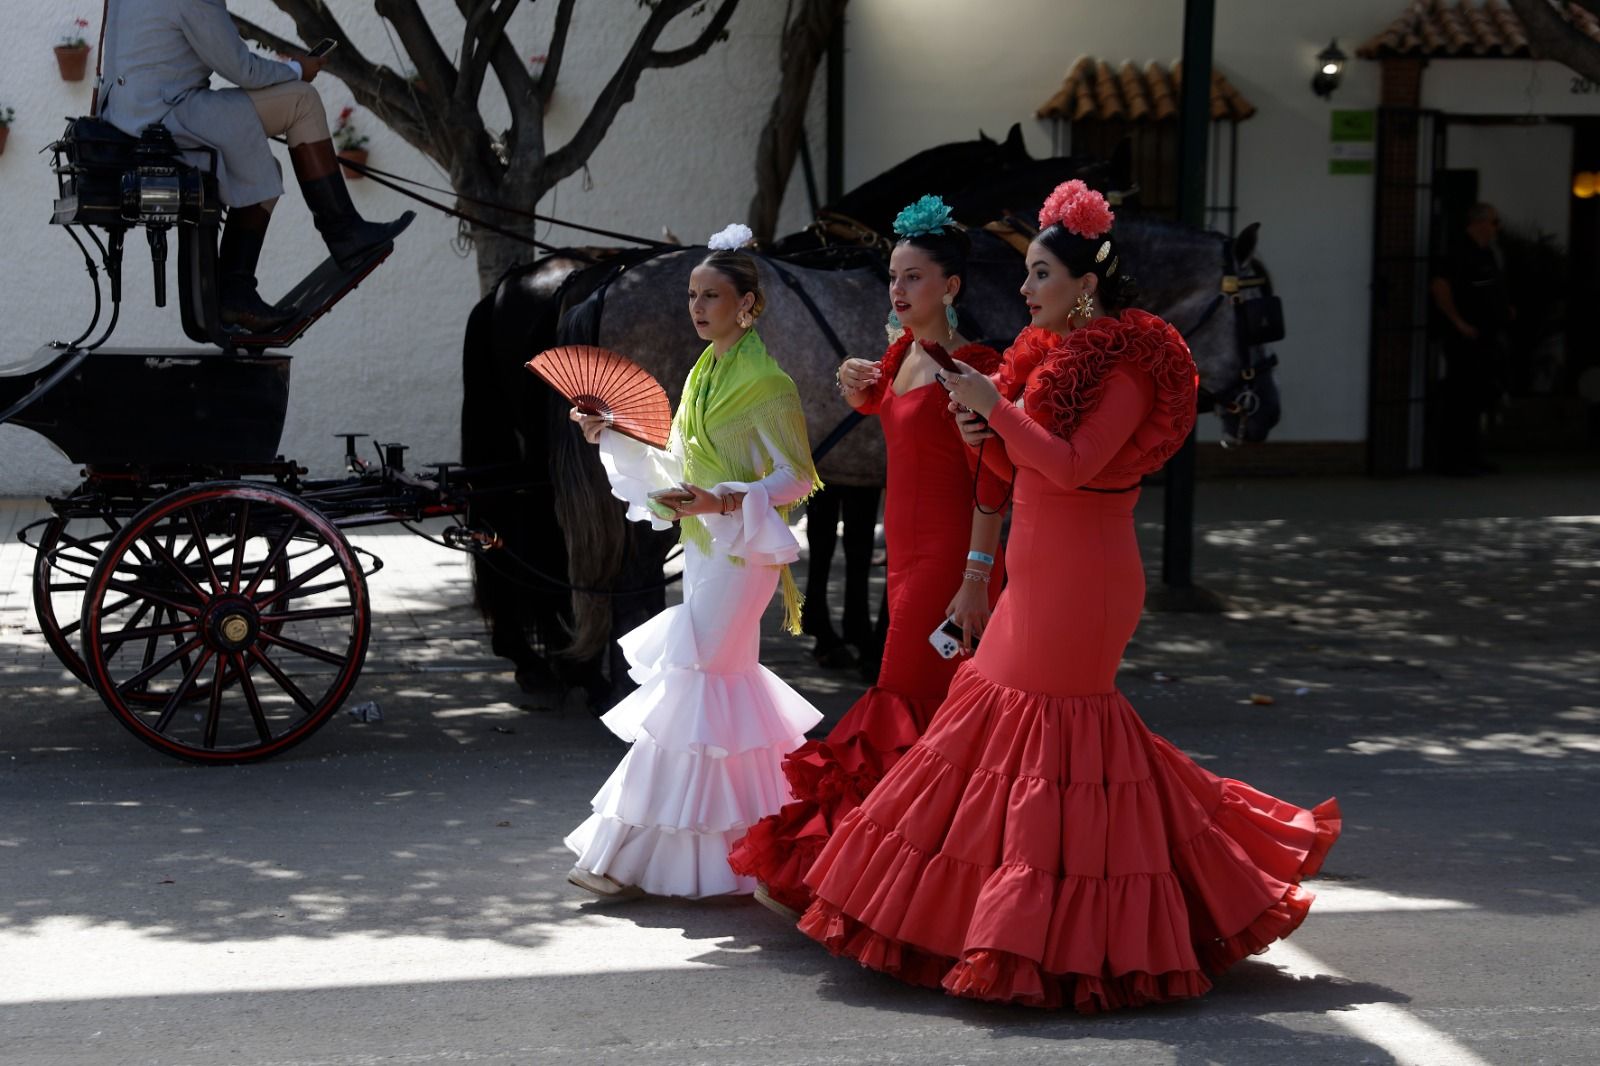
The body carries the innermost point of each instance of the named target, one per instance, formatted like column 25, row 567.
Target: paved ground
column 392, row 892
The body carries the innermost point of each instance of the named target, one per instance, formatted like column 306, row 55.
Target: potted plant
column 7, row 115
column 72, row 54
column 350, row 142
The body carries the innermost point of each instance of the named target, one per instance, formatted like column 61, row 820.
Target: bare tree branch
column 433, row 64
column 485, row 36
column 713, row 31
column 557, row 49
column 620, row 88
column 1553, row 37
column 805, row 41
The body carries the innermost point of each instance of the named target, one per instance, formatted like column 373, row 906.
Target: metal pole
column 833, row 184
column 1194, row 116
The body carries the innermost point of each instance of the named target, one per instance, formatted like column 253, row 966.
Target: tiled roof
column 1440, row 29
column 1092, row 89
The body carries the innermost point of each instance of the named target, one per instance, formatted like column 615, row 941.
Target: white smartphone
column 946, row 640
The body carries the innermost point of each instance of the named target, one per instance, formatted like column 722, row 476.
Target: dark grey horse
column 1183, row 274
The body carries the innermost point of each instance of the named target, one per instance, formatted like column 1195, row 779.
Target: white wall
column 387, row 361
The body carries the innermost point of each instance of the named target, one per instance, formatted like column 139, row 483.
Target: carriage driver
column 158, row 60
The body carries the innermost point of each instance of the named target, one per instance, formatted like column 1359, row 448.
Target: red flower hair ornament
column 1079, row 209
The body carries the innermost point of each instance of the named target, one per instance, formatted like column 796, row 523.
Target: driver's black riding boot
column 348, row 236
column 237, row 254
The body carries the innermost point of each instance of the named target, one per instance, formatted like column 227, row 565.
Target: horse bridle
column 1244, row 401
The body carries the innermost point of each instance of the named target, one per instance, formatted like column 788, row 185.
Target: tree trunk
column 805, row 41
column 498, row 253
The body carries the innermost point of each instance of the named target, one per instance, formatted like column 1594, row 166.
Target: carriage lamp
column 1330, row 69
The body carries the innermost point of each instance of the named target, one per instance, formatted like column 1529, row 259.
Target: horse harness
column 1258, row 322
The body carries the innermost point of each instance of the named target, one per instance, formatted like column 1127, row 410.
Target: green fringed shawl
column 726, row 403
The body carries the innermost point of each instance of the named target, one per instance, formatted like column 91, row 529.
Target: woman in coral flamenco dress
column 944, row 558
column 709, row 724
column 1039, row 845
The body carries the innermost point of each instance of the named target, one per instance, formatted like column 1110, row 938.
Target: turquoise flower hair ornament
column 928, row 215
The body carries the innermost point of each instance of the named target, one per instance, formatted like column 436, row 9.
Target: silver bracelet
column 975, row 575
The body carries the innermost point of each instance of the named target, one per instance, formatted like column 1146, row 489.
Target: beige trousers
column 293, row 108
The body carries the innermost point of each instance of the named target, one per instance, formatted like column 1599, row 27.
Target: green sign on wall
column 1353, row 142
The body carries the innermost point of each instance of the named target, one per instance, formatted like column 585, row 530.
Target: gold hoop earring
column 1084, row 308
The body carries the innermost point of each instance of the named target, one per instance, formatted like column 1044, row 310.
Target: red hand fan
column 598, row 381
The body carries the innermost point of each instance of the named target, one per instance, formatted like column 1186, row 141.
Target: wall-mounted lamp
column 1330, row 69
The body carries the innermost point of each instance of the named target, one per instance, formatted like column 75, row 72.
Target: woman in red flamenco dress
column 1039, row 845
column 944, row 558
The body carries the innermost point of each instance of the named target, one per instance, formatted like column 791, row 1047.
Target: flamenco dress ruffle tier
column 927, row 528
column 709, row 726
column 1050, row 850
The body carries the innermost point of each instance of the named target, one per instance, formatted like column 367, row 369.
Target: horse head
column 1217, row 293
column 1249, row 406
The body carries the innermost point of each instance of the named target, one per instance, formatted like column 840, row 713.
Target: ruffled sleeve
column 757, row 532
column 1071, row 462
column 635, row 470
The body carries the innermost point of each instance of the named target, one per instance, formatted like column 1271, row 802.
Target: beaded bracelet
column 975, row 575
column 980, row 557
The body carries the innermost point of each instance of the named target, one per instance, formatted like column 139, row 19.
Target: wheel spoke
column 257, row 715
column 205, row 550
column 138, row 616
column 283, row 681
column 214, row 711
column 152, row 643
column 70, row 586
column 240, row 536
column 300, row 648
column 192, row 610
column 161, row 664
column 169, row 708
column 273, row 556
column 177, row 568
column 290, row 586
column 139, row 632
column 309, row 614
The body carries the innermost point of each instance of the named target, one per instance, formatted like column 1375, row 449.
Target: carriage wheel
column 238, row 587
column 65, row 556
column 64, row 559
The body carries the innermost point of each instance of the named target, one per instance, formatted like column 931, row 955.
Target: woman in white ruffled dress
column 709, row 725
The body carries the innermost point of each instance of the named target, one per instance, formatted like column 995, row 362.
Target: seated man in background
column 158, row 60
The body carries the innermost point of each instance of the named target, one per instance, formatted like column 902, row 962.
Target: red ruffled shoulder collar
column 1067, row 386
column 980, row 357
column 1023, row 358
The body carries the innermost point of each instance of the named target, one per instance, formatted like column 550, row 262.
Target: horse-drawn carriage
column 195, row 578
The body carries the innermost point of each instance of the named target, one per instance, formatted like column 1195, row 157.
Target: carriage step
column 314, row 297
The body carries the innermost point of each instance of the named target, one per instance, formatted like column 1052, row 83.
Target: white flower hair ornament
column 731, row 238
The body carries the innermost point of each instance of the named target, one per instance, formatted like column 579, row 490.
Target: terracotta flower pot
column 72, row 61
column 355, row 155
column 5, row 131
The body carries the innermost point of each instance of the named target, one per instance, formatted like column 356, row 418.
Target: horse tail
column 591, row 519
column 500, row 401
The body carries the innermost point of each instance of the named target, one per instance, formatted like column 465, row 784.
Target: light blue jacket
column 158, row 61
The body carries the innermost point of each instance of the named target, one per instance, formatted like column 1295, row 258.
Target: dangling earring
column 744, row 320
column 950, row 320
column 893, row 327
column 1084, row 308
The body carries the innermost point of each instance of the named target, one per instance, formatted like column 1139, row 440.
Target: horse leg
column 816, row 619
column 860, row 527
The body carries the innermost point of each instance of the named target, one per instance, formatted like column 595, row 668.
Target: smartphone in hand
column 322, row 48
